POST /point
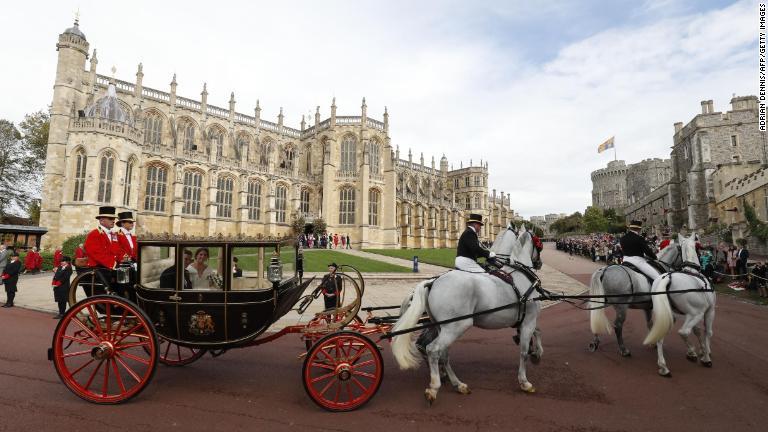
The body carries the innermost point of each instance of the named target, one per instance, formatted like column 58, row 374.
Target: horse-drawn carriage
column 183, row 299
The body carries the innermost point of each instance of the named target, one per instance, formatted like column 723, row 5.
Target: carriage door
column 200, row 296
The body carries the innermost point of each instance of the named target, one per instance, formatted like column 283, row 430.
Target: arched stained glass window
column 281, row 194
column 191, row 192
column 128, row 182
column 153, row 128
column 106, row 172
column 253, row 200
column 157, row 184
column 81, row 162
column 373, row 207
column 349, row 154
column 347, row 206
column 224, row 187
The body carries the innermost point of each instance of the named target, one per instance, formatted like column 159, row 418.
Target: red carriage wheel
column 105, row 349
column 172, row 354
column 343, row 371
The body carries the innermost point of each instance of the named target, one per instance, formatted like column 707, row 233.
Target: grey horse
column 459, row 293
column 695, row 303
column 621, row 280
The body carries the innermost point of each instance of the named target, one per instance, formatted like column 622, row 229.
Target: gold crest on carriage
column 201, row 324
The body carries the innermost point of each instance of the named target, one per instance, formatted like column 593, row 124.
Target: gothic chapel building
column 185, row 166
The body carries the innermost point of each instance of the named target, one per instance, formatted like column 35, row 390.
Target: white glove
column 492, row 254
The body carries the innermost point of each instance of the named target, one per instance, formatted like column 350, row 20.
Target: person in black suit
column 168, row 277
column 331, row 287
column 11, row 278
column 469, row 248
column 741, row 260
column 60, row 285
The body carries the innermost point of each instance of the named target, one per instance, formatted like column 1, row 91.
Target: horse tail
column 662, row 312
column 403, row 348
column 597, row 319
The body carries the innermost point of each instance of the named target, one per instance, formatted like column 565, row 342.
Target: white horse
column 459, row 293
column 696, row 303
column 630, row 290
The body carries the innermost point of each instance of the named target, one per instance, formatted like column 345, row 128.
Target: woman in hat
column 470, row 249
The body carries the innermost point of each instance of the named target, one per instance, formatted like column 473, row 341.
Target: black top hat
column 125, row 217
column 475, row 218
column 66, row 259
column 334, row 265
column 635, row 224
column 107, row 211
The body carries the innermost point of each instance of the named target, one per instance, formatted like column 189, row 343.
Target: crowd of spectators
column 597, row 247
column 325, row 241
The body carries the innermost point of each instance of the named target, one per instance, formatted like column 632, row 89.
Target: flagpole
column 614, row 151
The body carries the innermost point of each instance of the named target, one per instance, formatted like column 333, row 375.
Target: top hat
column 66, row 259
column 635, row 224
column 475, row 218
column 334, row 265
column 106, row 211
column 125, row 217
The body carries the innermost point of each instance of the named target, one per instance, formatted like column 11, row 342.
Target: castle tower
column 68, row 97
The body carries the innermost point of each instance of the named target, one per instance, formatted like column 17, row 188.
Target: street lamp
column 275, row 271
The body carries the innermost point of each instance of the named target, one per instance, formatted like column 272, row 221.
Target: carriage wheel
column 105, row 349
column 172, row 354
column 322, row 323
column 343, row 371
column 85, row 285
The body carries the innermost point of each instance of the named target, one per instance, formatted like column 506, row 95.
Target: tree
column 297, row 226
column 594, row 220
column 572, row 223
column 319, row 226
column 35, row 130
column 33, row 209
column 16, row 170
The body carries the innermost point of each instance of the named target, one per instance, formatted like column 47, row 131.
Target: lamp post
column 275, row 271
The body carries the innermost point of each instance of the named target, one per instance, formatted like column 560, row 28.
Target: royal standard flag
column 606, row 145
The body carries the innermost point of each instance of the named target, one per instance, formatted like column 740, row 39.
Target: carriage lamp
column 275, row 272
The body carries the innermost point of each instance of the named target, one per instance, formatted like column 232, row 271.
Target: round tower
column 68, row 97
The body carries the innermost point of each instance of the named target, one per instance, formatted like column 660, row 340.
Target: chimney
column 704, row 106
column 711, row 106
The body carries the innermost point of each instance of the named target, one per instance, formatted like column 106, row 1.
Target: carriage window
column 158, row 267
column 203, row 268
column 249, row 266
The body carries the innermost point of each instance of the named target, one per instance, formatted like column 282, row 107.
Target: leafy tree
column 594, row 220
column 572, row 223
column 319, row 226
column 297, row 226
column 16, row 170
column 35, row 129
column 71, row 243
column 757, row 227
column 33, row 209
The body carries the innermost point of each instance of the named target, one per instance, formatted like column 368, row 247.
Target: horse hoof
column 527, row 387
column 691, row 357
column 535, row 359
column 463, row 389
column 665, row 374
column 626, row 353
column 706, row 363
column 593, row 346
column 516, row 338
column 431, row 396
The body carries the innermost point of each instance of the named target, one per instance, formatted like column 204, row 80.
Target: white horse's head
column 530, row 254
column 688, row 246
column 499, row 246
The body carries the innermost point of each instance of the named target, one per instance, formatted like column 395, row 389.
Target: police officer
column 470, row 249
column 637, row 250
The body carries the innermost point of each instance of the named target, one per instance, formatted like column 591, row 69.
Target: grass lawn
column 441, row 257
column 318, row 260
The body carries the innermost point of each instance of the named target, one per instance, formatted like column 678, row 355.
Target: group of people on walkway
column 325, row 241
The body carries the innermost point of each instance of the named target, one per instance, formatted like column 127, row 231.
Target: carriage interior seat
column 154, row 261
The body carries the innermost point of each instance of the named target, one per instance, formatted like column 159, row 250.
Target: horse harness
column 693, row 270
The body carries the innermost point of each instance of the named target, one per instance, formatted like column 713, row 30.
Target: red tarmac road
column 260, row 388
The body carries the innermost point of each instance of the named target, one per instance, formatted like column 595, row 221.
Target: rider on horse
column 637, row 251
column 470, row 249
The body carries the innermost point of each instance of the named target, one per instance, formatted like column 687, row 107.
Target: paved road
column 260, row 388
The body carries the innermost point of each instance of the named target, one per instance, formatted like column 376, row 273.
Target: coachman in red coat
column 33, row 262
column 57, row 258
column 125, row 238
column 101, row 243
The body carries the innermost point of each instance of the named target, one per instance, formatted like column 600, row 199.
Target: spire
column 397, row 151
column 317, row 115
column 410, row 156
column 364, row 110
column 173, row 81
column 204, row 93
column 204, row 98
column 333, row 112
column 386, row 120
column 257, row 114
column 303, row 123
column 422, row 159
column 94, row 61
column 139, row 81
column 433, row 161
column 280, row 118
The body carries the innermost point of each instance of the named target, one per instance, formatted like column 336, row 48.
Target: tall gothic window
column 81, row 160
column 347, row 206
column 280, row 201
column 373, row 207
column 193, row 183
column 304, row 205
column 128, row 182
column 264, row 148
column 375, row 155
column 106, row 171
column 224, row 188
column 467, row 202
column 242, row 145
column 308, row 160
column 216, row 141
column 186, row 132
column 253, row 200
column 286, row 158
column 477, row 202
column 153, row 129
column 349, row 154
column 154, row 199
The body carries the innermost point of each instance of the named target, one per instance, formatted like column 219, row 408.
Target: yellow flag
column 606, row 145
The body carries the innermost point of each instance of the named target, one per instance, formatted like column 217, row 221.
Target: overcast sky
column 533, row 89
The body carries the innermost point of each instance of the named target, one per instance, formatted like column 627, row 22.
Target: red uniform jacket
column 125, row 246
column 79, row 252
column 664, row 243
column 57, row 259
column 33, row 261
column 101, row 251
